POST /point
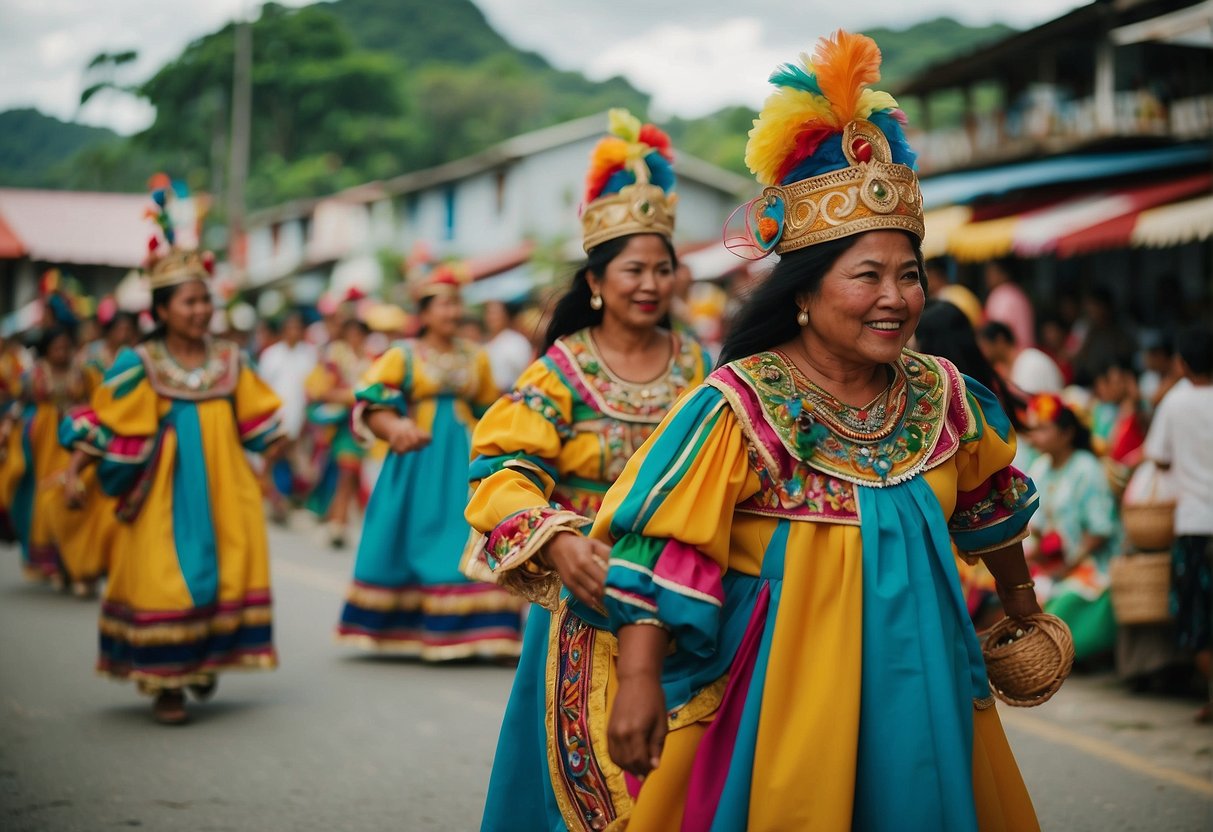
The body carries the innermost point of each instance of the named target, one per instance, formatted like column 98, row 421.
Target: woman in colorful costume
column 338, row 453
column 545, row 455
column 188, row 593
column 85, row 532
column 51, row 388
column 794, row 648
column 13, row 365
column 423, row 398
column 1077, row 531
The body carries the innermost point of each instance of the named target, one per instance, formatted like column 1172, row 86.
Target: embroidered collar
column 926, row 412
column 452, row 371
column 62, row 389
column 215, row 378
column 578, row 360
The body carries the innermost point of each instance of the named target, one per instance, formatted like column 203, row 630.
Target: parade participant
column 51, row 387
column 188, row 593
column 1077, row 530
column 285, row 366
column 509, row 350
column 119, row 330
column 782, row 579
column 338, row 456
column 545, row 455
column 423, row 398
column 13, row 364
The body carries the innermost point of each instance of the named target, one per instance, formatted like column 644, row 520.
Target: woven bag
column 1027, row 661
column 1141, row 588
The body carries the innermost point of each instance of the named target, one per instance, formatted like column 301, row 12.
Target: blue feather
column 619, row 180
column 661, row 172
column 791, row 75
column 829, row 156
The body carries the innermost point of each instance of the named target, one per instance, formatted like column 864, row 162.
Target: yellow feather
column 873, row 101
column 773, row 136
column 624, row 125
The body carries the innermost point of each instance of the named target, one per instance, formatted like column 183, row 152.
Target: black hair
column 49, row 336
column 117, row 318
column 1080, row 437
column 358, row 322
column 1194, row 344
column 996, row 331
column 160, row 297
column 1115, row 362
column 573, row 312
column 945, row 331
column 768, row 316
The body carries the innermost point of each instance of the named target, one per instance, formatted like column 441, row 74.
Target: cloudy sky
column 693, row 56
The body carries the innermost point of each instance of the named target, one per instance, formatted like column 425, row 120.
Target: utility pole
column 238, row 160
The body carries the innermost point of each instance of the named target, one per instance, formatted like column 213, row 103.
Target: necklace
column 867, row 423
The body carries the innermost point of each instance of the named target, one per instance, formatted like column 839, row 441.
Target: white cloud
column 693, row 56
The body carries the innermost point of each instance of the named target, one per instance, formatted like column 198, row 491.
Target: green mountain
column 31, row 144
column 348, row 91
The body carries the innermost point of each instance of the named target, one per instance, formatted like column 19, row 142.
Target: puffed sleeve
column 515, row 448
column 385, row 386
column 669, row 520
column 994, row 500
column 257, row 408
column 121, row 426
column 487, row 391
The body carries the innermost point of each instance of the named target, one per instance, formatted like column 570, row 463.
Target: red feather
column 657, row 139
column 807, row 142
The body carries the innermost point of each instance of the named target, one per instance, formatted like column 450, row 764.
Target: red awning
column 1116, row 231
column 488, row 265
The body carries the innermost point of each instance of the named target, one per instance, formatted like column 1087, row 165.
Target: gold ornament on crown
column 176, row 267
column 639, row 208
column 871, row 194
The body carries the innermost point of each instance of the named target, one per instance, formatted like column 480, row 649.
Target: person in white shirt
column 1181, row 440
column 285, row 365
column 1028, row 369
column 510, row 352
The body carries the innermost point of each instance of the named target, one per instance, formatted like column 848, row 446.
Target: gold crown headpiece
column 179, row 266
column 446, row 279
column 825, row 147
column 629, row 187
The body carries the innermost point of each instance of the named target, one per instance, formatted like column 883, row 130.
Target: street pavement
column 334, row 740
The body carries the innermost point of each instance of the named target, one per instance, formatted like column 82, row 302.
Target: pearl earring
column 595, row 302
column 803, row 317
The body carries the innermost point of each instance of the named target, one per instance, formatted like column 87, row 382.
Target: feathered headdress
column 831, row 152
column 630, row 183
column 168, row 263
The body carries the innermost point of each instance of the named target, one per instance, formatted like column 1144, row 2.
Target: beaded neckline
column 871, row 422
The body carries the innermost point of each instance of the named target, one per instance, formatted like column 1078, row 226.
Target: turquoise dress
column 408, row 595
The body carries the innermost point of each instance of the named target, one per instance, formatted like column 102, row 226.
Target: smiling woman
column 782, row 580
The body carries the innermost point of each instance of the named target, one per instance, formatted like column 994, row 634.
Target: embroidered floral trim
column 451, row 372
column 806, row 494
column 533, row 398
column 577, row 359
column 924, row 435
column 217, row 377
column 512, row 550
column 1005, row 496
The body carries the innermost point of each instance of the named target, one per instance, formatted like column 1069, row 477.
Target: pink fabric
column 1009, row 304
column 686, row 566
column 757, row 419
column 715, row 751
column 570, row 372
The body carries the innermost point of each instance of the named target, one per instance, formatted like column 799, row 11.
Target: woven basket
column 1150, row 527
column 1028, row 661
column 1141, row 588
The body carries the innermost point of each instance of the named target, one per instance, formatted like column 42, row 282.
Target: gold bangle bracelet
column 1023, row 586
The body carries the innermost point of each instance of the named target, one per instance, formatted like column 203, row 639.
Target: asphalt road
column 336, row 741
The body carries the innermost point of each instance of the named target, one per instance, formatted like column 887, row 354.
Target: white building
column 489, row 209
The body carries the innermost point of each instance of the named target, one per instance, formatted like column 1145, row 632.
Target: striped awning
column 1173, row 225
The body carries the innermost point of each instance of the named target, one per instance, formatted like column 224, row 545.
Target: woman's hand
column 582, row 565
column 638, row 723
column 1019, row 602
column 404, row 436
column 73, row 490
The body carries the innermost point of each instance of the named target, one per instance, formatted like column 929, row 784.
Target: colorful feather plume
column 614, row 160
column 798, row 134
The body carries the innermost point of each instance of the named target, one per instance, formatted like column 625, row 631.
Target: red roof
column 86, row 228
column 11, row 247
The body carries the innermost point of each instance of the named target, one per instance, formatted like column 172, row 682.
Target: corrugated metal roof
column 78, row 227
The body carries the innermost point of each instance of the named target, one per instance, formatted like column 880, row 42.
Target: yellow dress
column 544, row 457
column 85, row 536
column 800, row 552
column 42, row 509
column 12, row 455
column 408, row 595
column 189, row 585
